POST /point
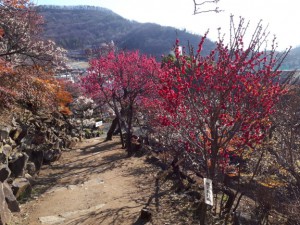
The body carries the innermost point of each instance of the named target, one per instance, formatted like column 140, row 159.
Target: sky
column 281, row 17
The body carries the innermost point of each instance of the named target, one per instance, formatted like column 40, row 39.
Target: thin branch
column 199, row 5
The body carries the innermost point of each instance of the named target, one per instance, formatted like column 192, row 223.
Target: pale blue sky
column 283, row 17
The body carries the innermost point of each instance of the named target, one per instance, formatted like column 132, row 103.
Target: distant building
column 71, row 75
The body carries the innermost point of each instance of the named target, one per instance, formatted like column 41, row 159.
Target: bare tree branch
column 198, row 6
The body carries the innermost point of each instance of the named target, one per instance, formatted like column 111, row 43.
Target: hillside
column 80, row 27
column 292, row 61
column 77, row 28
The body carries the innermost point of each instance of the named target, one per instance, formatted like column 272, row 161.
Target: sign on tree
column 208, row 191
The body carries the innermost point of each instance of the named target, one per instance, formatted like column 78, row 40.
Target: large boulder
column 4, row 172
column 10, row 198
column 5, row 214
column 37, row 157
column 4, row 133
column 21, row 188
column 18, row 164
column 16, row 132
column 6, row 150
column 31, row 169
column 26, row 143
column 11, row 142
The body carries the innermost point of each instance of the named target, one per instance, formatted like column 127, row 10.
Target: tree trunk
column 203, row 208
column 121, row 134
column 129, row 133
column 118, row 117
column 112, row 128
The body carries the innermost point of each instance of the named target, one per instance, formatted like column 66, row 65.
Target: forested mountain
column 81, row 27
column 77, row 28
column 292, row 61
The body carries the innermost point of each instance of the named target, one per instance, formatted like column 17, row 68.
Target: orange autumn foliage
column 24, row 81
column 60, row 97
column 63, row 99
column 20, row 4
column 39, row 90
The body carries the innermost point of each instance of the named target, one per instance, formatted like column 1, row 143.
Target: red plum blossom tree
column 120, row 80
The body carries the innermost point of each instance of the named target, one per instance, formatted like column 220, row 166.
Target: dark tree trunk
column 203, row 208
column 112, row 128
column 118, row 122
column 121, row 134
column 129, row 132
column 230, row 201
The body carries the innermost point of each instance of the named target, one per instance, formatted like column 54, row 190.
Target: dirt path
column 93, row 184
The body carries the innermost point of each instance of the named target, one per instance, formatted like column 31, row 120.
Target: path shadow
column 115, row 216
column 99, row 147
column 80, row 167
column 140, row 222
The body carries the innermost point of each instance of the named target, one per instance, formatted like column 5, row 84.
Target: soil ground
column 97, row 184
column 93, row 184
